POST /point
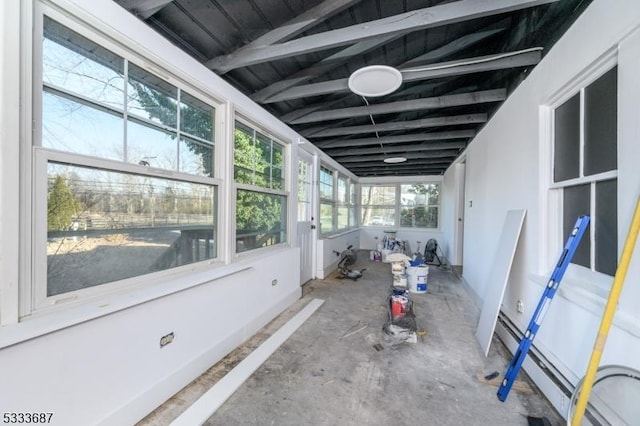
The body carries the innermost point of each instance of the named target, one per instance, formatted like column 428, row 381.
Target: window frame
column 284, row 192
column 339, row 202
column 551, row 199
column 397, row 203
column 34, row 299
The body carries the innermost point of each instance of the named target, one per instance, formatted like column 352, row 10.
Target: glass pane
column 601, row 124
column 196, row 157
column 151, row 146
column 243, row 154
column 303, row 181
column 342, row 190
column 151, row 97
column 107, row 226
column 577, row 201
column 326, row 183
column 196, row 117
column 352, row 193
column 261, row 220
column 79, row 66
column 419, row 216
column 378, row 216
column 352, row 217
column 277, row 167
column 263, row 161
column 419, row 194
column 326, row 218
column 343, row 217
column 606, row 227
column 81, row 128
column 566, row 158
column 378, row 195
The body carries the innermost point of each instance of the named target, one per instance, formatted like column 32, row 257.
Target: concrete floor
column 339, row 367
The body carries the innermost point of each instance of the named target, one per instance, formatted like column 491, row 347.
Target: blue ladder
column 549, row 291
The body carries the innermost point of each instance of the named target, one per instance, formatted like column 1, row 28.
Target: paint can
column 397, row 268
column 398, row 306
column 417, row 278
column 400, row 280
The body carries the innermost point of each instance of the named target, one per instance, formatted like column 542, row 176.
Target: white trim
column 39, row 325
column 612, row 174
column 10, row 111
column 208, row 404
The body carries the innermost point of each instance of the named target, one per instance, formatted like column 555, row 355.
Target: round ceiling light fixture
column 393, row 160
column 375, row 80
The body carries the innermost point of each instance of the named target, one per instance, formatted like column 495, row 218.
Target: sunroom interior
column 174, row 172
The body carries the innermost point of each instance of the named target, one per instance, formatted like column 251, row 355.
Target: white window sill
column 591, row 295
column 43, row 323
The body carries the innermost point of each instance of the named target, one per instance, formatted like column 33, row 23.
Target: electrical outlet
column 166, row 339
column 519, row 306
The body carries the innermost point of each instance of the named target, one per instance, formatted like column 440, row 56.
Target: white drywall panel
column 499, row 276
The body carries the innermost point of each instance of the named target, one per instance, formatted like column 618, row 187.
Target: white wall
column 370, row 236
column 326, row 248
column 506, row 166
column 112, row 369
column 101, row 361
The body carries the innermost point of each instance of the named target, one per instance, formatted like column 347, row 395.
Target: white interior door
column 306, row 224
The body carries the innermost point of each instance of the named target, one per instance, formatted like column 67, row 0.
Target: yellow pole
column 607, row 318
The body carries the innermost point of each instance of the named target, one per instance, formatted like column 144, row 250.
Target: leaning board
column 498, row 277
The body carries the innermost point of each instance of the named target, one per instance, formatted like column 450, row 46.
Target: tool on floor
column 549, row 291
column 607, row 316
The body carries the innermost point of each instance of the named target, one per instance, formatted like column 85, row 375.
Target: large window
column 261, row 200
column 337, row 202
column 378, row 204
column 124, row 165
column 585, row 169
column 409, row 205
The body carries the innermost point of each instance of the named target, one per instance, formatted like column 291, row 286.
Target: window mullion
column 125, row 121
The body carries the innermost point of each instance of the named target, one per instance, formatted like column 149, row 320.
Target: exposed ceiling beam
column 146, row 8
column 343, row 152
column 290, row 29
column 398, row 171
column 415, row 137
column 472, row 98
column 321, row 67
column 444, row 69
column 409, row 163
column 398, row 24
column 400, row 125
column 452, row 153
column 339, row 58
column 449, row 48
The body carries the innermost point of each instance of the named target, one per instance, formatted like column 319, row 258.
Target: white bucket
column 417, row 278
column 385, row 253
